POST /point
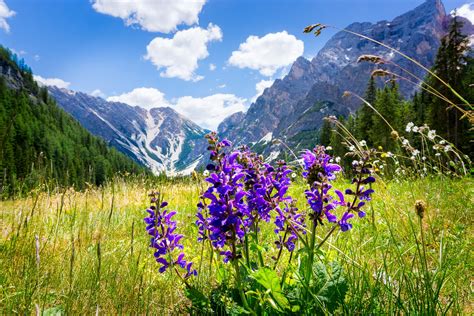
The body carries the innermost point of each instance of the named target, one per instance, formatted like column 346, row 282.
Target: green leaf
column 198, row 299
column 330, row 286
column 269, row 279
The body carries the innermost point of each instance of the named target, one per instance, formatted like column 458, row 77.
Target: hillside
column 293, row 108
column 160, row 139
column 39, row 141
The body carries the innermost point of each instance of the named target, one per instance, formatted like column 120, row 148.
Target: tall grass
column 86, row 252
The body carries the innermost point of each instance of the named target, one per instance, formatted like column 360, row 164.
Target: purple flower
column 161, row 228
column 319, row 172
column 345, row 226
column 358, row 196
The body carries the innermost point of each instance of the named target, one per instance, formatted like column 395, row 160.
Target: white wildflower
column 363, row 143
column 409, row 127
column 447, row 148
column 423, row 158
column 293, row 175
column 205, row 173
column 431, row 134
column 415, row 129
column 329, row 148
column 442, row 142
column 355, row 163
column 389, row 154
column 405, row 142
column 437, row 154
column 351, row 148
column 338, row 159
column 416, row 152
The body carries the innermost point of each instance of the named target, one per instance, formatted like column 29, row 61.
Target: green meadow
column 87, row 252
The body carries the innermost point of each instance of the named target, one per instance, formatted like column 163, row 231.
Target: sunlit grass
column 93, row 251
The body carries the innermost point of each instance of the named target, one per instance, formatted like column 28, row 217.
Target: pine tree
column 325, row 133
column 364, row 121
column 450, row 64
column 388, row 103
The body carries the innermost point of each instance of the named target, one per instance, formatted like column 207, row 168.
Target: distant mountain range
column 292, row 109
column 160, row 138
column 41, row 144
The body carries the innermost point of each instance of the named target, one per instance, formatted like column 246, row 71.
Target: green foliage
column 40, row 144
column 453, row 66
column 270, row 281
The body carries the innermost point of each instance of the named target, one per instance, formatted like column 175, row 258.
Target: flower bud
column 420, row 207
column 394, row 135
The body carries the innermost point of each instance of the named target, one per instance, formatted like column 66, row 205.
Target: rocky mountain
column 40, row 143
column 160, row 138
column 293, row 108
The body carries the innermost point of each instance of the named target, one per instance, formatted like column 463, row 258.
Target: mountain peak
column 430, row 9
column 298, row 68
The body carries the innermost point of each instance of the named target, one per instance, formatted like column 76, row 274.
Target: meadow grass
column 87, row 252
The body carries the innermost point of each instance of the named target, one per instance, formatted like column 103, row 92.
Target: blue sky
column 180, row 50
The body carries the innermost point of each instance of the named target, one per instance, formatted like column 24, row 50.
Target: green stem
column 309, row 263
column 281, row 248
column 327, row 236
column 238, row 281
column 247, row 256
column 425, row 263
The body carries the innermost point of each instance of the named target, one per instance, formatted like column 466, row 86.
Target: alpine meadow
column 204, row 157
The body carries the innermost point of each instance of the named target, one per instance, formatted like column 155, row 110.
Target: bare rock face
column 160, row 138
column 293, row 107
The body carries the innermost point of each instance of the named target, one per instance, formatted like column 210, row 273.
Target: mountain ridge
column 334, row 69
column 159, row 138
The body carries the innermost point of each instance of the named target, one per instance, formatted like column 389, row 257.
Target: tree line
column 454, row 65
column 40, row 142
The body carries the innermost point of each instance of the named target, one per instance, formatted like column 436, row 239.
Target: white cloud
column 97, row 93
column 179, row 55
column 260, row 87
column 152, row 15
column 209, row 111
column 268, row 53
column 51, row 82
column 212, row 67
column 144, row 97
column 5, row 13
column 466, row 11
column 222, row 86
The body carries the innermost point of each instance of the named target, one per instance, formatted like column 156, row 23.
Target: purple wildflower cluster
column 361, row 194
column 164, row 239
column 319, row 172
column 243, row 191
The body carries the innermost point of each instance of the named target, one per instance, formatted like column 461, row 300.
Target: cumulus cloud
column 260, row 87
column 466, row 11
column 51, row 82
column 152, row 15
column 212, row 67
column 179, row 56
column 5, row 13
column 97, row 93
column 144, row 97
column 207, row 111
column 267, row 54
